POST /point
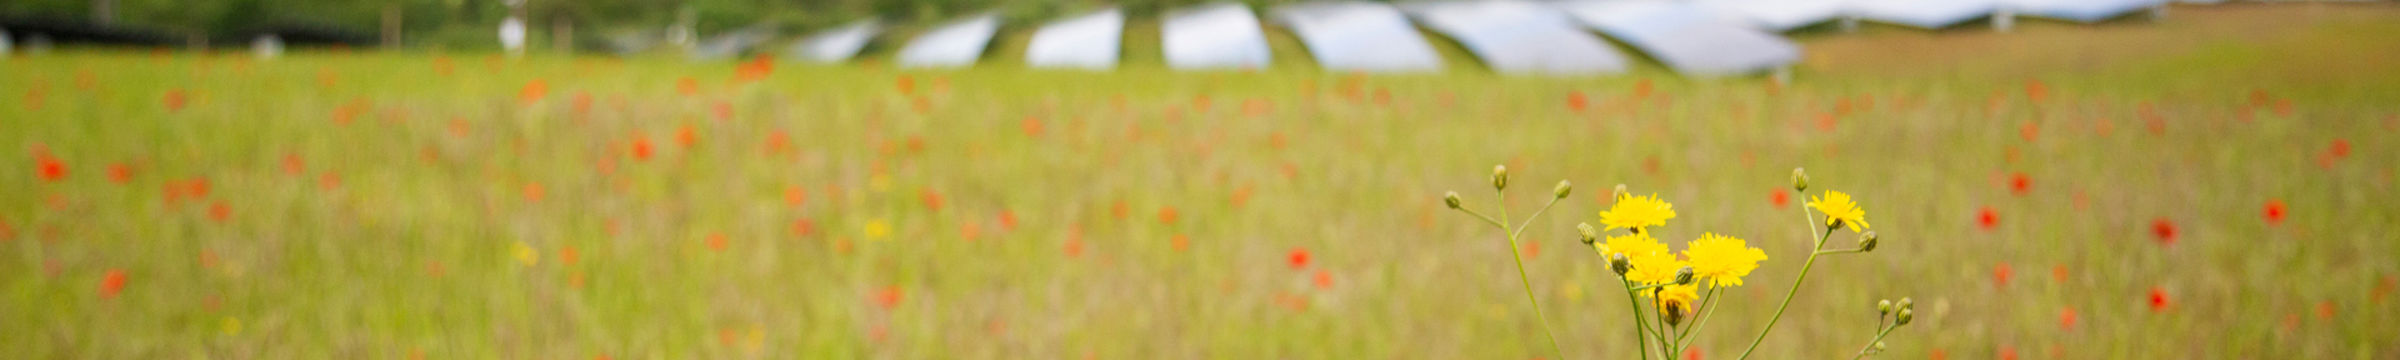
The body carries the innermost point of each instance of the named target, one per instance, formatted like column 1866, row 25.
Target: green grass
column 412, row 250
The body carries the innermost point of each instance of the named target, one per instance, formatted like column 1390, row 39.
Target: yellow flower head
column 1654, row 268
column 876, row 229
column 1637, row 212
column 1722, row 261
column 524, row 253
column 1679, row 297
column 1632, row 245
column 1840, row 211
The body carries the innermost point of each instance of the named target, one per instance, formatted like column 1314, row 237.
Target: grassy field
column 2205, row 187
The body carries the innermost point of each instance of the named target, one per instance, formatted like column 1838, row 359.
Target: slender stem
column 1862, row 351
column 1706, row 308
column 1524, row 279
column 1486, row 219
column 1642, row 333
column 1787, row 295
column 1666, row 346
column 1536, row 215
column 1840, row 251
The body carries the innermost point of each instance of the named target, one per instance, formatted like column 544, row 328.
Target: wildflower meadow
column 2221, row 185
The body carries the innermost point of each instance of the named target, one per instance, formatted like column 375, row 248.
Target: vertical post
column 2004, row 19
column 562, row 35
column 104, row 12
column 391, row 26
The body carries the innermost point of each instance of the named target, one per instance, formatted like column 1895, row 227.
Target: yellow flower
column 1637, row 212
column 1679, row 297
column 1654, row 268
column 1722, row 261
column 525, row 253
column 1633, row 246
column 1839, row 211
column 876, row 229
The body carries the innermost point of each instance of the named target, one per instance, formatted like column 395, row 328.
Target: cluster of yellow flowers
column 1713, row 260
column 1673, row 281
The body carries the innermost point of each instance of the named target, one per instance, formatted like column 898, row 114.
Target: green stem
column 1787, row 295
column 1862, row 351
column 1706, row 308
column 1666, row 345
column 1487, row 219
column 1642, row 332
column 1524, row 279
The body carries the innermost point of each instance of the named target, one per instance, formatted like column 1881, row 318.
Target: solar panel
column 1927, row 14
column 1687, row 37
column 1517, row 37
column 732, row 44
column 1359, row 36
column 2080, row 10
column 1223, row 35
column 837, row 44
column 1779, row 15
column 953, row 45
column 1087, row 42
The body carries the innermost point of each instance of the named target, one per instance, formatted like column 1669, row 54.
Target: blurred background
column 618, row 179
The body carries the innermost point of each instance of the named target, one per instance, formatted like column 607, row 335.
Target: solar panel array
column 1529, row 37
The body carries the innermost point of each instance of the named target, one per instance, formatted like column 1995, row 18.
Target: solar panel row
column 1701, row 37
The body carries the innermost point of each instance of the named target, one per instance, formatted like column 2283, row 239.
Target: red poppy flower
column 1987, row 218
column 2008, row 353
column 1576, row 101
column 2164, row 230
column 2340, row 149
column 533, row 91
column 174, row 100
column 2001, row 273
column 2037, row 91
column 49, row 169
column 568, row 256
column 533, row 192
column 120, row 173
column 1166, row 215
column 641, row 147
column 1780, row 198
column 2020, row 184
column 1324, row 279
column 2058, row 273
column 2274, row 211
column 685, row 137
column 1008, row 220
column 219, row 211
column 2158, row 299
column 716, row 242
column 888, row 297
column 932, row 200
column 2029, row 131
column 803, row 227
column 1031, row 125
column 1691, row 353
column 2066, row 318
column 112, row 283
column 1298, row 258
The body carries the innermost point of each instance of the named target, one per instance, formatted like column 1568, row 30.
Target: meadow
column 2208, row 186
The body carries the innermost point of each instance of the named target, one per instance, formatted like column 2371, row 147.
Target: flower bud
column 1906, row 314
column 1590, row 234
column 1683, row 276
column 1799, row 180
column 1500, row 177
column 1673, row 312
column 1621, row 194
column 1562, row 189
column 1451, row 199
column 1866, row 242
column 1907, row 303
column 1879, row 346
column 1883, row 307
column 1620, row 264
